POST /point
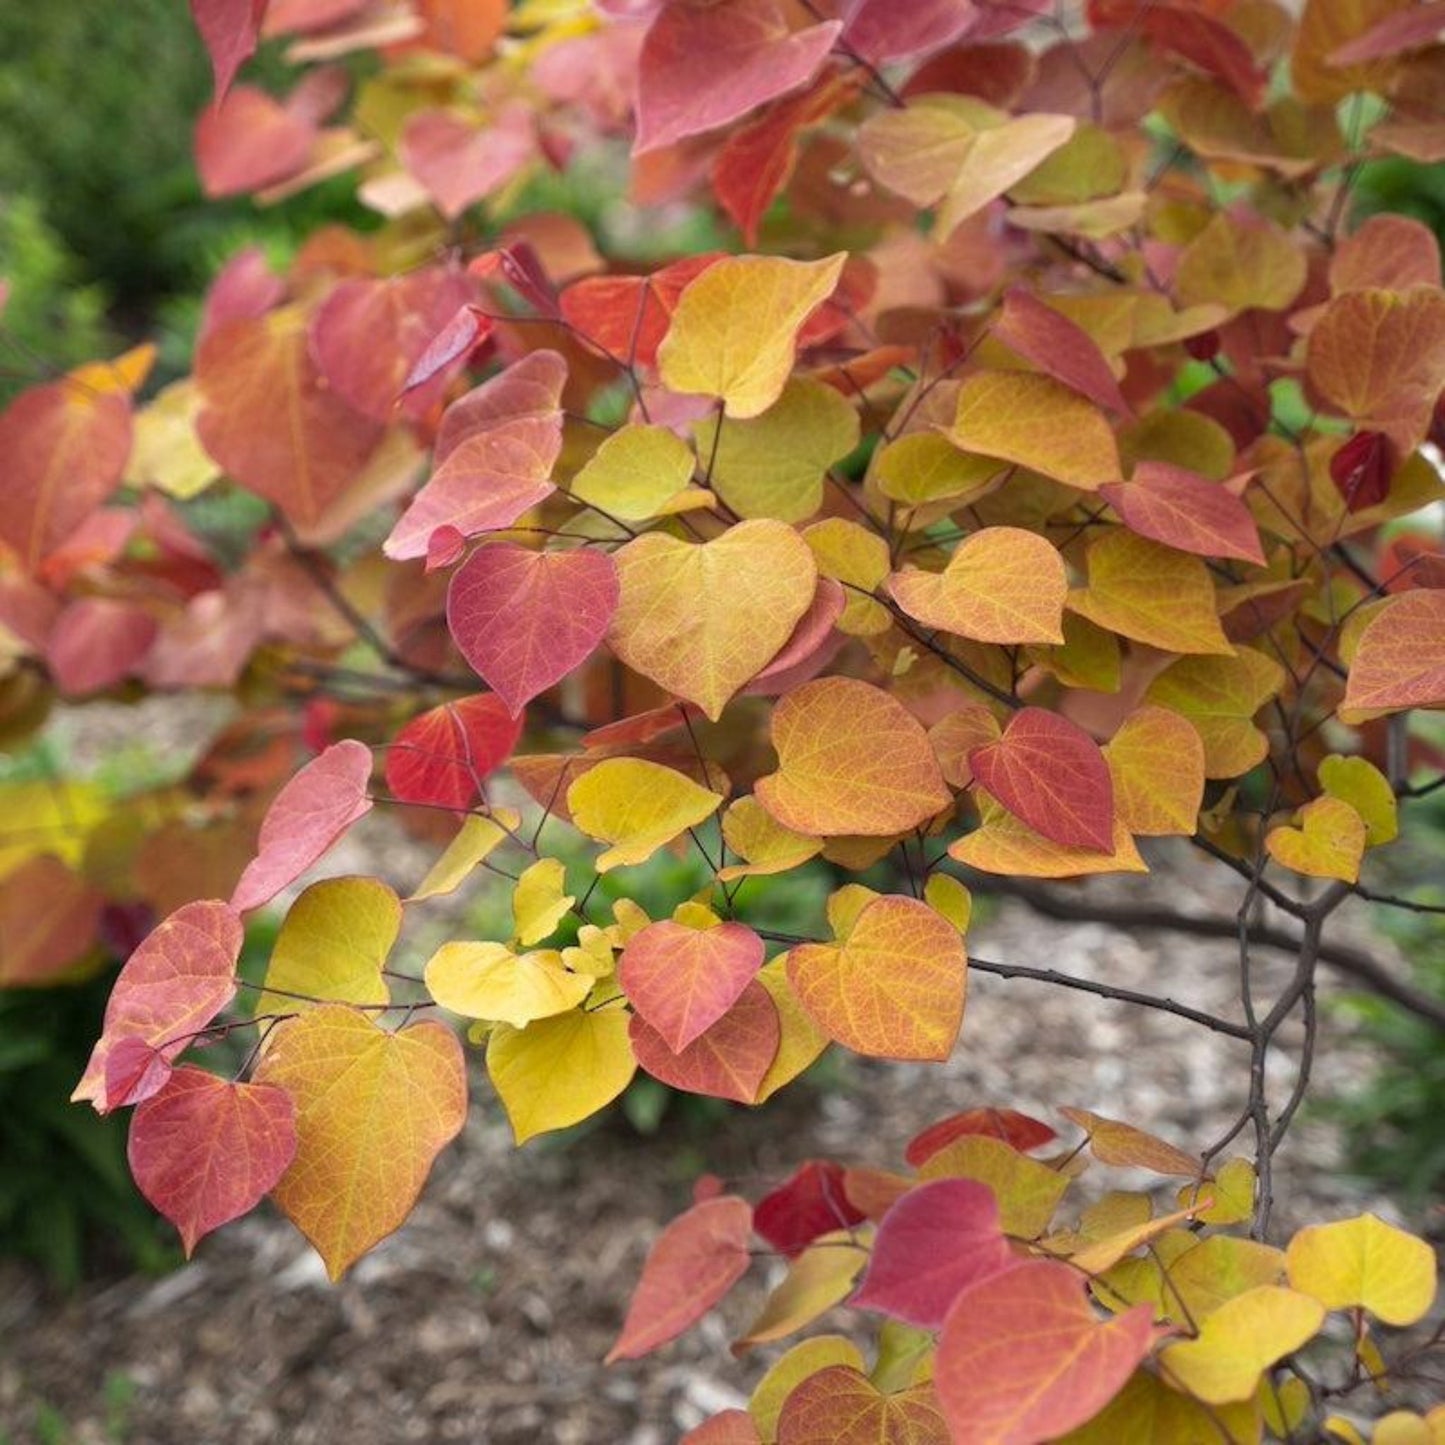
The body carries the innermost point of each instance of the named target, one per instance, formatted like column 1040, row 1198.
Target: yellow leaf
column 592, row 954
column 1285, row 1404
column 1101, row 1254
column 1215, row 1271
column 773, row 465
column 1403, row 1427
column 1146, row 1409
column 734, row 332
column 800, row 1040
column 332, row 947
column 1151, row 593
column 1089, row 657
column 999, row 158
column 1005, row 844
column 1328, row 843
column 635, row 473
column 1220, row 696
column 858, row 558
column 1338, row 1428
column 538, row 902
column 1232, row 1192
column 851, row 760
column 790, row 1370
column 1366, row 1263
column 489, row 981
column 125, row 373
column 702, row 619
column 820, row 1277
column 844, row 906
column 559, row 1071
column 167, row 453
column 946, row 895
column 373, row 1110
column 1241, row 264
column 476, row 838
column 1027, row 1191
column 918, row 150
column 1038, row 423
column 764, row 845
column 925, row 467
column 47, row 817
column 1239, row 1341
column 636, row 806
column 1001, row 585
column 1358, row 782
column 1156, row 761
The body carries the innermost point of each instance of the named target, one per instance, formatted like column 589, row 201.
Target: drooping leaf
column 205, row 1150
column 735, row 330
column 1127, row 1147
column 935, row 1242
column 1019, row 1131
column 636, row 806
column 373, row 1110
column 819, row 1278
column 540, row 901
column 1050, row 773
column 701, row 620
column 702, row 67
column 728, row 1060
column 269, row 419
column 682, row 980
column 1022, row 1357
column 1037, row 423
column 1328, row 841
column 851, row 760
column 442, row 757
column 305, row 818
column 477, row 837
column 809, row 1203
column 489, row 981
column 524, row 619
column 493, row 458
column 800, row 1041
column 1004, row 843
column 894, row 987
column 561, row 1070
column 1059, row 347
column 66, row 448
column 173, row 985
column 230, row 29
column 1184, row 510
column 1239, row 1341
column 333, row 945
column 692, row 1264
column 1001, row 584
column 841, row 1406
column 1156, row 760
column 1399, row 659
column 1364, row 1263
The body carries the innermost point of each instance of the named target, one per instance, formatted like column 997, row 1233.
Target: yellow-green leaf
column 1358, row 782
column 806, row 1358
column 1027, row 1191
column 820, row 1277
column 1367, row 1263
column 635, row 473
column 1328, row 843
column 636, row 806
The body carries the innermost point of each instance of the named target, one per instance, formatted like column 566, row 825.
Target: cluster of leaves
column 1000, row 1325
column 1028, row 484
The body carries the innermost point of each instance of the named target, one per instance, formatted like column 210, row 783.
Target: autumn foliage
column 1036, row 465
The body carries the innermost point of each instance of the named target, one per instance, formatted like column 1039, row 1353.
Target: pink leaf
column 884, row 30
column 1180, row 508
column 459, row 162
column 696, row 1260
column 245, row 288
column 205, row 1150
column 467, row 328
column 171, row 987
column 442, row 757
column 934, row 1243
column 97, row 641
column 230, row 29
column 248, row 141
column 812, row 1202
column 524, row 620
column 1060, row 348
column 306, row 817
column 729, row 1060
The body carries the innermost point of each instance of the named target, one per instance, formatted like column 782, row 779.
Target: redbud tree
column 966, row 437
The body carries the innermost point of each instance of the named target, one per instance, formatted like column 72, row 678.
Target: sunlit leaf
column 840, row 1406
column 1328, row 841
column 1364, row 1262
column 728, row 1060
column 489, row 981
column 1156, row 760
column 636, row 806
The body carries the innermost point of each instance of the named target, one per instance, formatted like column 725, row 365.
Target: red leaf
column 1210, row 44
column 205, row 1150
column 65, row 447
column 134, row 1071
column 1180, row 508
column 244, row 288
column 1023, row 1358
column 885, row 30
column 172, row 986
column 230, row 29
column 442, row 757
column 702, row 67
column 812, row 643
column 493, row 458
column 524, row 620
column 305, row 818
column 811, row 1203
column 1362, row 469
column 1060, row 348
column 1050, row 773
column 369, row 335
column 934, row 1243
column 727, row 1061
column 1018, row 1131
column 96, row 641
column 683, row 980
column 248, row 141
column 627, row 316
column 732, row 1427
column 459, row 161
column 467, row 328
column 695, row 1261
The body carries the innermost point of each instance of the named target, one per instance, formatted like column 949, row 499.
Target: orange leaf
column 49, row 917
column 894, row 987
column 1050, row 773
column 703, row 619
column 1399, row 661
column 1126, row 1147
column 728, row 1060
column 1001, row 585
column 373, row 1110
column 1220, row 696
column 1156, row 760
column 1023, row 1358
column 1037, row 423
column 851, row 760
column 1184, row 510
column 841, row 1406
column 693, row 1263
column 1328, row 842
column 1006, row 844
